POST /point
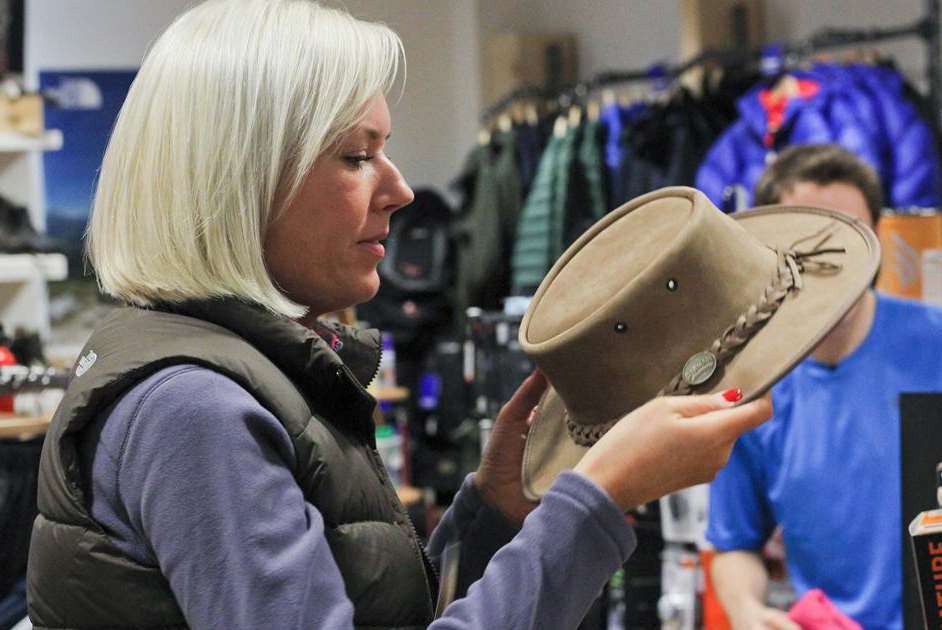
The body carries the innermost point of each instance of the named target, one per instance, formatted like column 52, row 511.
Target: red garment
column 6, row 358
column 815, row 611
column 775, row 104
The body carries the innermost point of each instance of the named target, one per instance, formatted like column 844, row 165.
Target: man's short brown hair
column 820, row 164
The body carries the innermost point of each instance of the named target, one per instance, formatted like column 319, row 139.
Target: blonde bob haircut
column 231, row 106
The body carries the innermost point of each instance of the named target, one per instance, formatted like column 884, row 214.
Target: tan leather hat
column 667, row 295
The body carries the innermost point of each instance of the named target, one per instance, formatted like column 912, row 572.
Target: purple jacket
column 167, row 499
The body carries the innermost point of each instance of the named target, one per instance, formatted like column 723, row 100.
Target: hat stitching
column 791, row 265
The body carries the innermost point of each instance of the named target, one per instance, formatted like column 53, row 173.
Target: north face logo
column 85, row 363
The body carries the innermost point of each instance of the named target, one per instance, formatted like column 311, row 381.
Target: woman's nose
column 399, row 193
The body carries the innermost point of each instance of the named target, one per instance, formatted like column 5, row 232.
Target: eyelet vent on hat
column 621, row 327
column 672, row 284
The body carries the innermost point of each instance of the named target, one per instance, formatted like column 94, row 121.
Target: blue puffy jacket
column 858, row 107
column 913, row 176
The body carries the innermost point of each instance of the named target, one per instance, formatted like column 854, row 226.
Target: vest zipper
column 414, row 535
column 379, row 361
column 436, row 583
column 423, row 555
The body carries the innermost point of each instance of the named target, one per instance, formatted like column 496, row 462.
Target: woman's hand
column 498, row 476
column 667, row 444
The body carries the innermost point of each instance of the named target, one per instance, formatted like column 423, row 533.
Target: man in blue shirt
column 826, row 468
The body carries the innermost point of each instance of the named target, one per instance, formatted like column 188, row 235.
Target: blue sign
column 83, row 105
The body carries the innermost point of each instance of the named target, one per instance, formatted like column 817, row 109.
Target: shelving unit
column 18, row 143
column 24, row 300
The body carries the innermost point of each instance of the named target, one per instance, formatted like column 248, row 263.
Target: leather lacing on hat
column 791, row 264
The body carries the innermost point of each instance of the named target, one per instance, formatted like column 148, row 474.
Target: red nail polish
column 733, row 395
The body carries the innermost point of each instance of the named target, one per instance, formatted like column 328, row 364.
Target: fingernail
column 733, row 395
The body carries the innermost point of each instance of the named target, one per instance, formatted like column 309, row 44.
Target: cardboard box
column 22, row 115
column 904, row 238
column 720, row 24
column 514, row 60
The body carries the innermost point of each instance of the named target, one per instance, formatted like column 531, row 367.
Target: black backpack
column 414, row 302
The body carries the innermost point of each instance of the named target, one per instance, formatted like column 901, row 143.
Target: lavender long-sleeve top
column 189, row 473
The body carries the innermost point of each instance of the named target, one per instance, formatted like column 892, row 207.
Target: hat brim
column 803, row 319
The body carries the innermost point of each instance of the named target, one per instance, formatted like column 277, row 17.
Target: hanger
column 608, row 97
column 659, row 83
column 531, row 114
column 786, row 88
column 574, row 116
column 560, row 127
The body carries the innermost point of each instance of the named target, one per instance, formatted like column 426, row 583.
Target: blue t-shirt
column 826, row 467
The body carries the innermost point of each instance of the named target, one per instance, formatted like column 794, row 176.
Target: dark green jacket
column 540, row 236
column 491, row 182
column 78, row 579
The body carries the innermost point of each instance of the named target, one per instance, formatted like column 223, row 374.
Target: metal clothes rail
column 927, row 29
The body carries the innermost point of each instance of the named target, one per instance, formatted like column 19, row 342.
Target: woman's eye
column 356, row 161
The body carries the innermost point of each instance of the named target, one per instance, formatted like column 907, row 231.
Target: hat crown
column 637, row 296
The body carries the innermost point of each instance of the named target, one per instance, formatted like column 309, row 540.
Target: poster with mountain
column 83, row 104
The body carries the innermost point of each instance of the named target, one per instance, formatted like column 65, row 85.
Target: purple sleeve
column 554, row 568
column 190, row 473
column 204, row 490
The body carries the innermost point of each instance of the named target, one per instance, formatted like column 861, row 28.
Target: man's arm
column 741, row 579
column 740, row 522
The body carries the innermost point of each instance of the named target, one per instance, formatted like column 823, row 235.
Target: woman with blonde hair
column 213, row 464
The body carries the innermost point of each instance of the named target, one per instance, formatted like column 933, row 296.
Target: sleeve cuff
column 571, row 486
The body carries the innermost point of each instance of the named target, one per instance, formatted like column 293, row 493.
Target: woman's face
column 323, row 250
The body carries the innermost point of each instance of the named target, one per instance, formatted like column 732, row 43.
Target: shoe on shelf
column 27, row 347
column 17, row 234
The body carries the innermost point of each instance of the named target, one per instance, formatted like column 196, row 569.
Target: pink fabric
column 815, row 611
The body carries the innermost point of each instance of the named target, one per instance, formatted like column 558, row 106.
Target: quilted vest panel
column 78, row 579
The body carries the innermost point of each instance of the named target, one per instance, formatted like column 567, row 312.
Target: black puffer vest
column 78, row 579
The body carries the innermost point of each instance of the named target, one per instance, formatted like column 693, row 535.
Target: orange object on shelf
column 714, row 617
column 904, row 238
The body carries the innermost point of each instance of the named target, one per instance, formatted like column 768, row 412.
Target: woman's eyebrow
column 373, row 134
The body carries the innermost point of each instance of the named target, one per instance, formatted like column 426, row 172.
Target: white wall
column 631, row 34
column 800, row 18
column 99, row 34
column 433, row 124
column 611, row 34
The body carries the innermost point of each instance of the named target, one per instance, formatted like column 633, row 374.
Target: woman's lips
column 374, row 247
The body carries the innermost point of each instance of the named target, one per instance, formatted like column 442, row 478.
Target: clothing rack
column 927, row 29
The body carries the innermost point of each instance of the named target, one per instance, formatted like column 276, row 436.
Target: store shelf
column 389, row 394
column 29, row 267
column 11, row 142
column 22, row 427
